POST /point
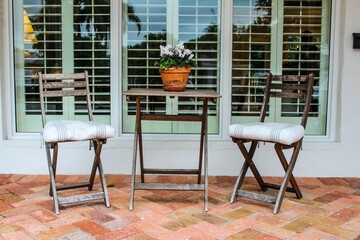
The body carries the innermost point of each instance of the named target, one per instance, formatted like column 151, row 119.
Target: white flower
column 187, row 52
column 177, row 56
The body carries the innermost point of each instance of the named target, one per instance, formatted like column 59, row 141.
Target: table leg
column 205, row 133
column 136, row 139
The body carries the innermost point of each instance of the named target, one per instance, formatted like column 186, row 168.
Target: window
column 147, row 26
column 61, row 36
column 278, row 36
column 282, row 37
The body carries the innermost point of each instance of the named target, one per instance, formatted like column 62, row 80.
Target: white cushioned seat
column 67, row 130
column 268, row 132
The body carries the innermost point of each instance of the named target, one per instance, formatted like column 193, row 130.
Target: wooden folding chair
column 60, row 131
column 284, row 136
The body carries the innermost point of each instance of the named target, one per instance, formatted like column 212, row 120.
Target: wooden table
column 204, row 96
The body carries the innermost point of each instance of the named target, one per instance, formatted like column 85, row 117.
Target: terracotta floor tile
column 337, row 231
column 10, row 197
column 21, row 210
column 79, row 235
column 56, row 232
column 335, row 181
column 237, row 214
column 246, row 234
column 310, row 233
column 152, row 216
column 4, row 229
column 181, row 223
column 65, row 219
column 151, row 229
column 140, row 236
column 91, row 227
column 338, row 204
column 274, row 230
column 44, row 216
column 212, row 230
column 210, row 218
column 4, row 206
column 18, row 235
column 203, row 237
column 300, row 224
column 32, row 226
column 182, row 234
column 97, row 216
column 119, row 234
column 352, row 225
column 346, row 214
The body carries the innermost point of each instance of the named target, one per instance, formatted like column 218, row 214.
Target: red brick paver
column 330, row 209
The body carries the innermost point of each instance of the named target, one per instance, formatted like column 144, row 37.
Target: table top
column 202, row 93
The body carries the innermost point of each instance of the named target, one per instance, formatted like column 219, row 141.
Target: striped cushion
column 268, row 132
column 66, row 130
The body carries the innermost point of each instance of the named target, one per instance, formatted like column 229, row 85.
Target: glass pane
column 301, row 46
column 42, row 53
column 92, row 52
column 43, row 44
column 251, row 55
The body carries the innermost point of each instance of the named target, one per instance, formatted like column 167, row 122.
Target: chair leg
column 97, row 165
column 97, row 151
column 287, row 177
column 239, row 181
column 53, row 191
column 54, row 163
column 103, row 185
column 285, row 165
column 248, row 155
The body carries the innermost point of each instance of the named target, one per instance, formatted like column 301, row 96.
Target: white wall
column 337, row 157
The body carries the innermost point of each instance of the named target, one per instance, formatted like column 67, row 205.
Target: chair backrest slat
column 63, row 76
column 65, row 93
column 73, row 84
column 290, row 78
column 290, row 95
column 63, row 85
column 288, row 86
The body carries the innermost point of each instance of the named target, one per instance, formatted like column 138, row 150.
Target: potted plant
column 175, row 65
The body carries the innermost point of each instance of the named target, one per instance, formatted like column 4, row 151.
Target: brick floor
column 330, row 209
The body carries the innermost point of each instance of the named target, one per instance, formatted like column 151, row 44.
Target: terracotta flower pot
column 175, row 79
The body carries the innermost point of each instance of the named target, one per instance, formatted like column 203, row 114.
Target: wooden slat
column 169, row 186
column 60, row 76
column 287, row 95
column 256, row 196
column 71, row 186
column 296, row 78
column 51, row 85
column 170, row 171
column 285, row 86
column 64, row 93
column 276, row 186
column 172, row 117
column 81, row 198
